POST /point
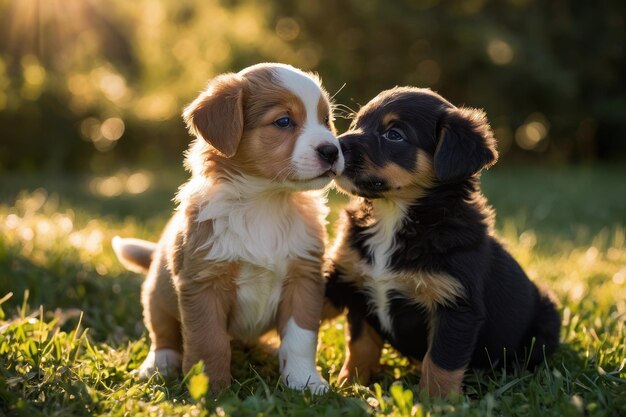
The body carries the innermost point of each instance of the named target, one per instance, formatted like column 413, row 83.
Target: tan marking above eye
column 389, row 119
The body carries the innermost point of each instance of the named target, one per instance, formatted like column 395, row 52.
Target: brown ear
column 217, row 114
column 466, row 145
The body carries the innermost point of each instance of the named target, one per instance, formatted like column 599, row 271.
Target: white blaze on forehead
column 314, row 132
column 306, row 88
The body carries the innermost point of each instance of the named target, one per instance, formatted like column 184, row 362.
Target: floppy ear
column 466, row 145
column 217, row 114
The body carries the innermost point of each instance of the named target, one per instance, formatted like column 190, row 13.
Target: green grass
column 71, row 333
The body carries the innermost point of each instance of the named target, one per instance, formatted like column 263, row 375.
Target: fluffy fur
column 243, row 252
column 416, row 262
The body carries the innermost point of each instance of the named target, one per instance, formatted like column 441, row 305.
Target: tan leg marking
column 303, row 296
column 345, row 259
column 205, row 306
column 362, row 357
column 439, row 382
column 298, row 319
column 329, row 311
column 160, row 310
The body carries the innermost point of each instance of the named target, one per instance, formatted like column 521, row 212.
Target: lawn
column 71, row 333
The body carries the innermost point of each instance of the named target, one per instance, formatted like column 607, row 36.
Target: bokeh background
column 91, row 144
column 91, row 86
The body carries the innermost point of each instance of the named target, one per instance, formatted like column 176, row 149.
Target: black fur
column 503, row 317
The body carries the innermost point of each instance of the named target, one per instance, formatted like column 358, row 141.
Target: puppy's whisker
column 343, row 106
column 344, row 113
column 344, row 110
column 346, row 116
column 338, row 91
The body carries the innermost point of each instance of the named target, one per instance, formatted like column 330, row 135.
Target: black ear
column 466, row 145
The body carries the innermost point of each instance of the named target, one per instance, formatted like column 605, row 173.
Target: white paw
column 296, row 358
column 162, row 361
column 313, row 382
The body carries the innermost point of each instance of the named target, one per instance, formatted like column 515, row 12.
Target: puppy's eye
column 283, row 122
column 394, row 135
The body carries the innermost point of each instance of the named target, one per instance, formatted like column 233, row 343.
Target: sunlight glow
column 577, row 291
column 11, row 222
column 591, row 255
column 107, row 187
column 157, row 106
column 34, row 77
column 287, row 29
column 528, row 239
column 27, row 234
column 308, row 57
column 532, row 134
column 112, row 128
column 113, row 86
column 64, row 222
column 37, row 25
column 246, row 24
column 121, row 183
column 103, row 135
column 500, row 52
column 90, row 241
column 44, row 227
column 138, row 182
column 34, row 74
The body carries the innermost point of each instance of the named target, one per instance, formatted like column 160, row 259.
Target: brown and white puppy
column 416, row 262
column 243, row 252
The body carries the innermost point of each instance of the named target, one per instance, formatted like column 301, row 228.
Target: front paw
column 361, row 375
column 296, row 358
column 439, row 382
column 163, row 361
column 311, row 381
column 217, row 369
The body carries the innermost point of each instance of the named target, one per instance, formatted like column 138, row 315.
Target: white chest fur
column 255, row 222
column 258, row 296
column 262, row 228
column 379, row 281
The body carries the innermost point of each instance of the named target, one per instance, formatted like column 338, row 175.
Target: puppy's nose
column 328, row 152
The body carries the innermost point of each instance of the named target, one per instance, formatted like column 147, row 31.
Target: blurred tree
column 85, row 83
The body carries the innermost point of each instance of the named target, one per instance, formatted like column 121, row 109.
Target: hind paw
column 163, row 361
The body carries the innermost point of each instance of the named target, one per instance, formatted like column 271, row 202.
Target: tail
column 135, row 254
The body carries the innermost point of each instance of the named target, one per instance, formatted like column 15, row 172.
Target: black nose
column 328, row 153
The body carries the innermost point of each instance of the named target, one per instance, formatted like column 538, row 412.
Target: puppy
column 243, row 252
column 415, row 262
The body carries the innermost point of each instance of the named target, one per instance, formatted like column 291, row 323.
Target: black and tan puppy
column 415, row 262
